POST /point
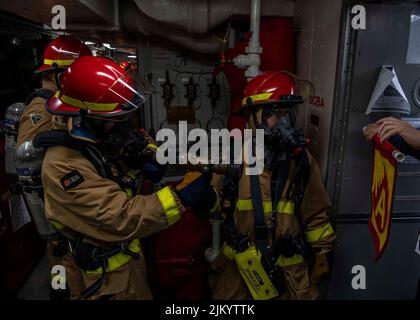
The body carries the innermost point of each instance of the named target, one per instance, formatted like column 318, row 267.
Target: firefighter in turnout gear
column 90, row 191
column 279, row 217
column 58, row 55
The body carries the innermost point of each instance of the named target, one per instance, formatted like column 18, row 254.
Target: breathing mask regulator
column 123, row 143
column 128, row 144
column 283, row 134
column 282, row 138
column 119, row 141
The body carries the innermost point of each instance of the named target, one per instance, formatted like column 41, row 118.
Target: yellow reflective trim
column 56, row 224
column 167, row 199
column 286, row 207
column 119, row 259
column 152, row 146
column 131, row 174
column 282, row 261
column 129, row 192
column 246, row 204
column 228, row 251
column 319, row 233
column 86, row 105
column 257, row 97
column 58, row 62
column 268, row 206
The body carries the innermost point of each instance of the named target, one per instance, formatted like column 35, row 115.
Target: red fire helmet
column 97, row 87
column 271, row 88
column 62, row 52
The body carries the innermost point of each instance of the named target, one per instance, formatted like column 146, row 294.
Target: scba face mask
column 282, row 139
column 122, row 139
column 283, row 134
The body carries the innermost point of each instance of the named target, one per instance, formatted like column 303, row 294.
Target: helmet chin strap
column 251, row 123
column 57, row 75
column 254, row 120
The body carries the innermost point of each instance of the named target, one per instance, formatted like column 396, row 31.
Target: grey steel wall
column 395, row 276
column 317, row 41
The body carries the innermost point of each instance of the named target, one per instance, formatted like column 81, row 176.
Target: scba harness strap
column 40, row 93
column 54, row 138
column 88, row 257
column 284, row 249
column 294, row 192
column 287, row 246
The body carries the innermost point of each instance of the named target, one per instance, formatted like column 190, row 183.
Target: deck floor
column 36, row 286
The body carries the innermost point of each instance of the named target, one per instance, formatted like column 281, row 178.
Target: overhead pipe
column 187, row 23
column 136, row 21
column 197, row 17
column 251, row 60
column 200, row 16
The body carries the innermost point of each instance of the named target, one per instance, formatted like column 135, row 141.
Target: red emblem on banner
column 382, row 193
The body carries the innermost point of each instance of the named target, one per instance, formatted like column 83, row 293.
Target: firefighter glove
column 195, row 190
column 153, row 171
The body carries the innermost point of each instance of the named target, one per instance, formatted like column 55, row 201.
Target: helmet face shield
column 112, row 118
column 270, row 116
column 129, row 91
column 274, row 110
column 99, row 88
column 304, row 88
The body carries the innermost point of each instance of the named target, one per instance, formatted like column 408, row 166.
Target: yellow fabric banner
column 382, row 196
